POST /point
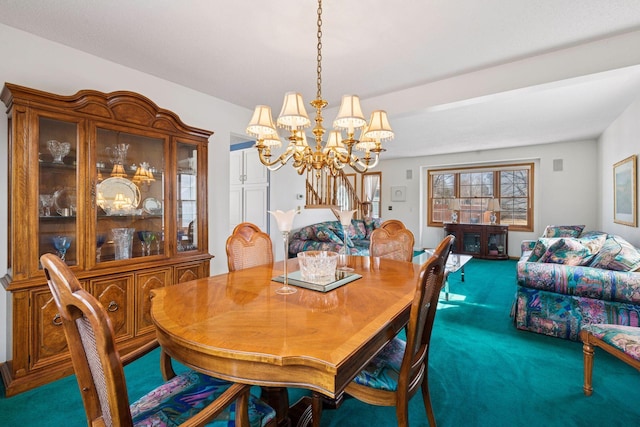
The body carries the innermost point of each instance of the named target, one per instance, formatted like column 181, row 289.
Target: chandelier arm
column 281, row 159
column 366, row 165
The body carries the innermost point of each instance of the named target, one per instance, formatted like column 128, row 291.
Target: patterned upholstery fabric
column 617, row 254
column 180, row 398
column 624, row 338
column 382, row 372
column 328, row 236
column 562, row 230
column 572, row 251
column 557, row 299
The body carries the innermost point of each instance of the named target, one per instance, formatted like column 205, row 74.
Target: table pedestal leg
column 278, row 399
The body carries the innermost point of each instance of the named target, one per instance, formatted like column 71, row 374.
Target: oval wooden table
column 236, row 327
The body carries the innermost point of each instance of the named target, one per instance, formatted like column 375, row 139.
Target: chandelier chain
column 319, row 57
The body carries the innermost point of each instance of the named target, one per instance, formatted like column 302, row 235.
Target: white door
column 249, row 189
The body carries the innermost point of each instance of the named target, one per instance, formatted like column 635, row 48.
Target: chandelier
column 332, row 155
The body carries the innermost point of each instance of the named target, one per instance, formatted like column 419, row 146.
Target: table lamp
column 454, row 207
column 493, row 206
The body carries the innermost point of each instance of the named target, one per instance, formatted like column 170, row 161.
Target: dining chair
column 622, row 342
column 188, row 399
column 396, row 373
column 248, row 246
column 392, row 240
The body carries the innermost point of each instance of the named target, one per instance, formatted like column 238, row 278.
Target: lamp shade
column 293, row 115
column 118, row 171
column 365, row 143
column 272, row 140
column 350, row 114
column 261, row 123
column 301, row 144
column 493, row 205
column 379, row 127
column 454, row 204
column 335, row 141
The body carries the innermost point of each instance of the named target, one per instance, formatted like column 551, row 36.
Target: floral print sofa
column 328, row 236
column 569, row 278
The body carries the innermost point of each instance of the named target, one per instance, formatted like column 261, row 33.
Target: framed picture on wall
column 624, row 192
column 398, row 194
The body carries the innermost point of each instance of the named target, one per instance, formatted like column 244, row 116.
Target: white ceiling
column 454, row 75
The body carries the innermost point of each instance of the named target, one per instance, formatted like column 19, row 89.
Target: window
column 474, row 187
column 371, row 194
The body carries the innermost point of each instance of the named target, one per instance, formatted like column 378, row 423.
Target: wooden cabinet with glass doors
column 116, row 187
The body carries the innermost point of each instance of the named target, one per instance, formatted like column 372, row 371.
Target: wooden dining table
column 236, row 327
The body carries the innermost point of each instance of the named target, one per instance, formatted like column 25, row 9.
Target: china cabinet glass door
column 57, row 197
column 187, row 191
column 129, row 195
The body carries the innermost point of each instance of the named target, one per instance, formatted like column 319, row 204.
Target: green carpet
column 483, row 372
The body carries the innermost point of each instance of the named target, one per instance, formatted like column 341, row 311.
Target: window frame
column 496, row 170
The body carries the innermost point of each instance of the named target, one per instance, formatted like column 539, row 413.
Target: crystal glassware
column 123, row 239
column 62, row 244
column 158, row 237
column 58, row 150
column 146, row 237
column 285, row 223
column 46, row 200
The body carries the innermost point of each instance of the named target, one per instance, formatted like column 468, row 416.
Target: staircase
column 325, row 191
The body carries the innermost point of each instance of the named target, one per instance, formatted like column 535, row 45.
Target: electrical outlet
column 390, row 208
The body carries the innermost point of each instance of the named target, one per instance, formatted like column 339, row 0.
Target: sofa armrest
column 527, row 245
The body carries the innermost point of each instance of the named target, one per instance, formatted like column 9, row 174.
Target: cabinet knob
column 57, row 320
column 113, row 306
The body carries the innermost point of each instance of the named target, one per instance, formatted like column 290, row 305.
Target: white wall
column 34, row 62
column 566, row 197
column 619, row 141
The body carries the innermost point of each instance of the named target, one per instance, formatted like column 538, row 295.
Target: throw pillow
column 570, row 251
column 540, row 248
column 325, row 233
column 563, row 230
column 617, row 254
column 371, row 224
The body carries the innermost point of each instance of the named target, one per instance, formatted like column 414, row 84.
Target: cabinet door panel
column 184, row 273
column 254, row 171
column 145, row 283
column 116, row 297
column 255, row 205
column 58, row 155
column 49, row 339
column 236, row 169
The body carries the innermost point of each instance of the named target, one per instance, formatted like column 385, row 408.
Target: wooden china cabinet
column 487, row 241
column 116, row 186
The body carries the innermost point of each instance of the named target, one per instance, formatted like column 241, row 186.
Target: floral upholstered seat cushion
column 383, row 370
column 624, row 338
column 185, row 395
